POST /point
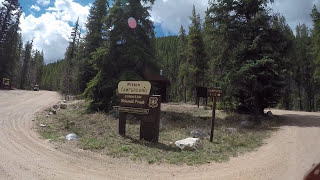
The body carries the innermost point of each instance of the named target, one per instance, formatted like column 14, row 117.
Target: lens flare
column 132, row 23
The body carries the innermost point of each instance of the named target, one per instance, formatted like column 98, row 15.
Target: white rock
column 50, row 113
column 42, row 125
column 71, row 136
column 189, row 144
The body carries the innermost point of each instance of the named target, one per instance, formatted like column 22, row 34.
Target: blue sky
column 49, row 22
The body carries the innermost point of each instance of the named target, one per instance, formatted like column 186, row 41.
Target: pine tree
column 183, row 64
column 51, row 76
column 25, row 73
column 127, row 52
column 304, row 68
column 254, row 62
column 10, row 12
column 167, row 60
column 70, row 65
column 196, row 55
column 288, row 95
column 93, row 40
column 316, row 49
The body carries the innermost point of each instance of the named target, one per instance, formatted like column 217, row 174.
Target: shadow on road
column 300, row 120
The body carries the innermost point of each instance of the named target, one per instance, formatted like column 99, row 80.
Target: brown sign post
column 135, row 99
column 214, row 93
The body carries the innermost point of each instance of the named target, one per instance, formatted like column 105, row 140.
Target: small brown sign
column 134, row 87
column 214, row 92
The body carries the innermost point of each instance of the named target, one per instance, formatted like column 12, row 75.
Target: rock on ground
column 269, row 114
column 198, row 134
column 63, row 106
column 231, row 130
column 189, row 144
column 71, row 136
column 114, row 114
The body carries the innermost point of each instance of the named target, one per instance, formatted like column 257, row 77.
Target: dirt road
column 24, row 155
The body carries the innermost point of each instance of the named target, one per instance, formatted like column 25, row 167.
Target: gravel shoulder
column 288, row 154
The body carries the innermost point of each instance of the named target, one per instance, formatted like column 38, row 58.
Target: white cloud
column 51, row 31
column 171, row 14
column 295, row 11
column 35, row 7
column 70, row 11
column 43, row 2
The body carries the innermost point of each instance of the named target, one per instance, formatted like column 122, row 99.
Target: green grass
column 49, row 135
column 99, row 132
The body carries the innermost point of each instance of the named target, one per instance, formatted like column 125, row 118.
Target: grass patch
column 99, row 132
column 49, row 135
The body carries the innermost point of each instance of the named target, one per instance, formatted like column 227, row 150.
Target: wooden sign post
column 135, row 99
column 214, row 93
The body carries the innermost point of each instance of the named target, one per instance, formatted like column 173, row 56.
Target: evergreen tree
column 10, row 12
column 255, row 62
column 196, row 55
column 51, row 76
column 182, row 61
column 304, row 68
column 70, row 66
column 25, row 73
column 316, row 50
column 93, row 40
column 288, row 95
column 126, row 54
column 167, row 60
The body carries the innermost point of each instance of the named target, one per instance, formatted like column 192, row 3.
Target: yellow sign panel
column 134, row 87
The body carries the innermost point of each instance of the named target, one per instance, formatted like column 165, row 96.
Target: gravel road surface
column 288, row 154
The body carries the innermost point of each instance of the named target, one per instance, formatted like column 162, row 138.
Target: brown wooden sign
column 135, row 99
column 214, row 92
column 202, row 92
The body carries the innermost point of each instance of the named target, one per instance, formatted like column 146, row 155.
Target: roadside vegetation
column 99, row 132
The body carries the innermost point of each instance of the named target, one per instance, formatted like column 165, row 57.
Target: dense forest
column 239, row 46
column 20, row 63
